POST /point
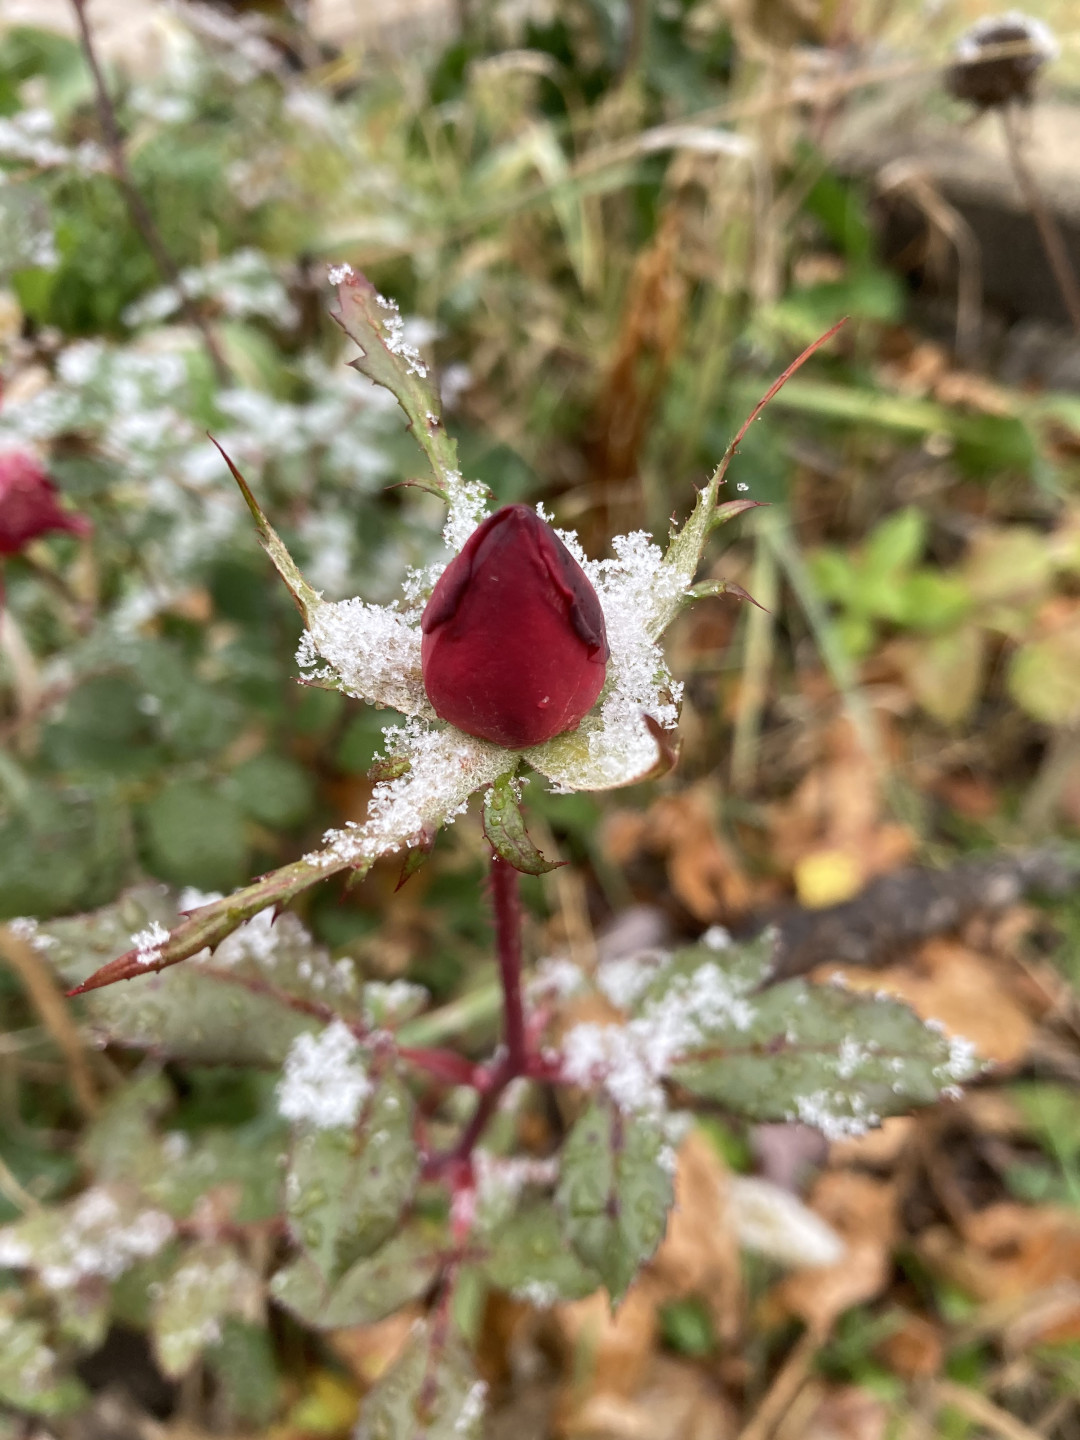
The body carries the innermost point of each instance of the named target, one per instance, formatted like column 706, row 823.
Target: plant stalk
column 137, row 208
column 506, row 898
column 1049, row 231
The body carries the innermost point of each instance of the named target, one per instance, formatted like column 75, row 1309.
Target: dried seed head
column 999, row 58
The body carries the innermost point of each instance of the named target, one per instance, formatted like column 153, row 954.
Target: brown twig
column 1049, row 231
column 47, row 1000
column 137, row 208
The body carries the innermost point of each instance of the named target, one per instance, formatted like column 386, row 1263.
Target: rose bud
column 514, row 648
column 999, row 59
column 29, row 505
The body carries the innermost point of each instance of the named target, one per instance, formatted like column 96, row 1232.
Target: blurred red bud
column 514, row 648
column 29, row 505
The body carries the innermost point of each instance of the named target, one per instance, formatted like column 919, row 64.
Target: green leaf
column 242, row 1361
column 528, row 1258
column 30, row 1377
column 897, row 542
column 210, row 1282
column 305, row 597
column 347, row 1188
column 821, row 1054
column 374, row 323
column 1044, row 676
column 615, row 1192
column 504, row 826
column 430, row 1393
column 373, row 1288
column 274, row 790
column 195, row 836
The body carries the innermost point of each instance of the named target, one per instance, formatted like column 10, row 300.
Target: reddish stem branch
column 137, row 208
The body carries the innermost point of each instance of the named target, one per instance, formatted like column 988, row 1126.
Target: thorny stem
column 1049, row 230
column 137, row 207
column 506, row 897
column 516, row 1059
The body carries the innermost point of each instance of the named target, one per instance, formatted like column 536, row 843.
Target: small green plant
column 403, row 1182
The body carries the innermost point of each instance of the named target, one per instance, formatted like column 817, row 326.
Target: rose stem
column 506, row 897
column 1049, row 231
column 137, row 207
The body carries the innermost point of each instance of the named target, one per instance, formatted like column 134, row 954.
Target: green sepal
column 504, row 826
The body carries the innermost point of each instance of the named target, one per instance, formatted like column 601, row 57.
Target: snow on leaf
column 210, row 1282
column 615, row 747
column 833, row 1059
column 325, row 1080
column 346, row 1188
column 100, row 1234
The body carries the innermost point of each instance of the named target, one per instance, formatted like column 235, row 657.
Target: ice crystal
column 243, row 285
column 638, row 596
column 97, row 1236
column 338, row 273
column 626, row 979
column 373, row 651
column 472, row 1408
column 776, row 1223
column 147, row 943
column 445, row 768
column 838, row 1115
column 631, row 1060
column 324, row 1083
column 396, row 342
column 555, row 978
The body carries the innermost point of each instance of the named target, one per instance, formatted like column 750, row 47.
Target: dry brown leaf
column 700, row 1253
column 702, row 869
column 844, row 1412
column 676, row 1402
column 606, row 1353
column 368, row 1351
column 863, row 1212
column 1007, row 1250
column 915, row 1349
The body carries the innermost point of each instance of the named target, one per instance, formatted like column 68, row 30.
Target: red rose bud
column 28, row 504
column 514, row 648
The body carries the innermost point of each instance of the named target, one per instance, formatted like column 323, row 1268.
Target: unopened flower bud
column 999, row 58
column 29, row 505
column 514, row 648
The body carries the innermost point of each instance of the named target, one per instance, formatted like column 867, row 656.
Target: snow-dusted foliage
column 325, row 1080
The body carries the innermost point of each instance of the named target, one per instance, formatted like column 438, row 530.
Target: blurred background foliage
column 610, row 224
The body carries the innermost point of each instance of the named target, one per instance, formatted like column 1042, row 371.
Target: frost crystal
column 337, row 273
column 624, row 980
column 396, row 342
column 373, row 652
column 97, row 1237
column 631, row 1060
column 837, row 1115
column 324, row 1082
column 555, row 978
column 445, row 768
column 147, row 943
column 472, row 1408
column 638, row 595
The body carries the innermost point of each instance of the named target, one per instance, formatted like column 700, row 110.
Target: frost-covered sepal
column 616, row 1191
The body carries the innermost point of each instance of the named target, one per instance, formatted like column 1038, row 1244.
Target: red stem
column 506, row 897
